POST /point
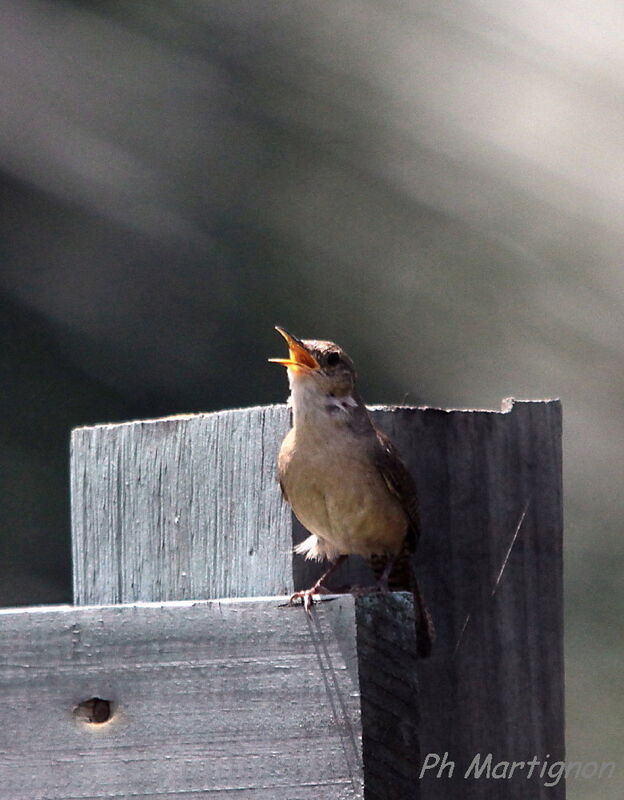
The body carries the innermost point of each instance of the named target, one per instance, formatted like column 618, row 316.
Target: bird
column 344, row 478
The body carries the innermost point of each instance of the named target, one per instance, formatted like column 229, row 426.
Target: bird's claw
column 307, row 597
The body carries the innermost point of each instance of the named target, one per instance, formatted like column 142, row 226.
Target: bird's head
column 321, row 376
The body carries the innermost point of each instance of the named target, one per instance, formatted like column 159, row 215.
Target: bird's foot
column 307, row 597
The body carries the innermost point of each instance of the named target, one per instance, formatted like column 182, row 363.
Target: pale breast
column 337, row 493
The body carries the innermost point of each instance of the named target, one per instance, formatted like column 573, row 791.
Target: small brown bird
column 343, row 477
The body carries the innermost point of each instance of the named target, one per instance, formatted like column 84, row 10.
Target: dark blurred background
column 437, row 186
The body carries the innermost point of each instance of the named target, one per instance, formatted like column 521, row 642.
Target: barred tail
column 425, row 630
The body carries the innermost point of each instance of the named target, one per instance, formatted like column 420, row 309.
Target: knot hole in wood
column 93, row 711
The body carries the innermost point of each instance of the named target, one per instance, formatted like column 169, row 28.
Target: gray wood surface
column 495, row 681
column 180, row 508
column 231, row 699
column 490, row 560
column 390, row 697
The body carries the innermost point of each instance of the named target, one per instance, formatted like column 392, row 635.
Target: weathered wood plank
column 180, row 508
column 237, row 699
column 390, row 697
column 495, row 681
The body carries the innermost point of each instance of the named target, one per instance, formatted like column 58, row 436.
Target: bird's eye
column 333, row 359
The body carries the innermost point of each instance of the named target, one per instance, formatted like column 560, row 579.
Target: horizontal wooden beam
column 237, row 699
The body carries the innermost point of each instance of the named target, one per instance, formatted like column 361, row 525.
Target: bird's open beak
column 298, row 356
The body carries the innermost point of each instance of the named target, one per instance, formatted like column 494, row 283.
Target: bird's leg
column 381, row 585
column 306, row 595
column 382, row 581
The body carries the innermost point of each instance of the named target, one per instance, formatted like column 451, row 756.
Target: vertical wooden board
column 390, row 696
column 237, row 699
column 183, row 507
column 495, row 681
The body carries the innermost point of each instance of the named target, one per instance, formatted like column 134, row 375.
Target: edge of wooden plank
column 507, row 404
column 193, row 691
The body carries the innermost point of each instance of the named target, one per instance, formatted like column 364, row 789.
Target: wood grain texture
column 230, row 699
column 495, row 681
column 485, row 479
column 390, row 697
column 180, row 508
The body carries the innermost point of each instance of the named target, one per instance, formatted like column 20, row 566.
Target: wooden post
column 188, row 507
column 491, row 555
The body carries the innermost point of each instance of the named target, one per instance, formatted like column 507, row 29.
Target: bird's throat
column 314, row 405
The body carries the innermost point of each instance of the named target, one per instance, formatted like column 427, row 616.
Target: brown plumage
column 345, row 479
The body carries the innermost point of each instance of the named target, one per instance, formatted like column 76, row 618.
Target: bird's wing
column 399, row 482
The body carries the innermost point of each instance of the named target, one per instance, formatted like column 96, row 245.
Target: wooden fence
column 179, row 672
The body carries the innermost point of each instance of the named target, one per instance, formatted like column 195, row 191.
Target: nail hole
column 95, row 711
